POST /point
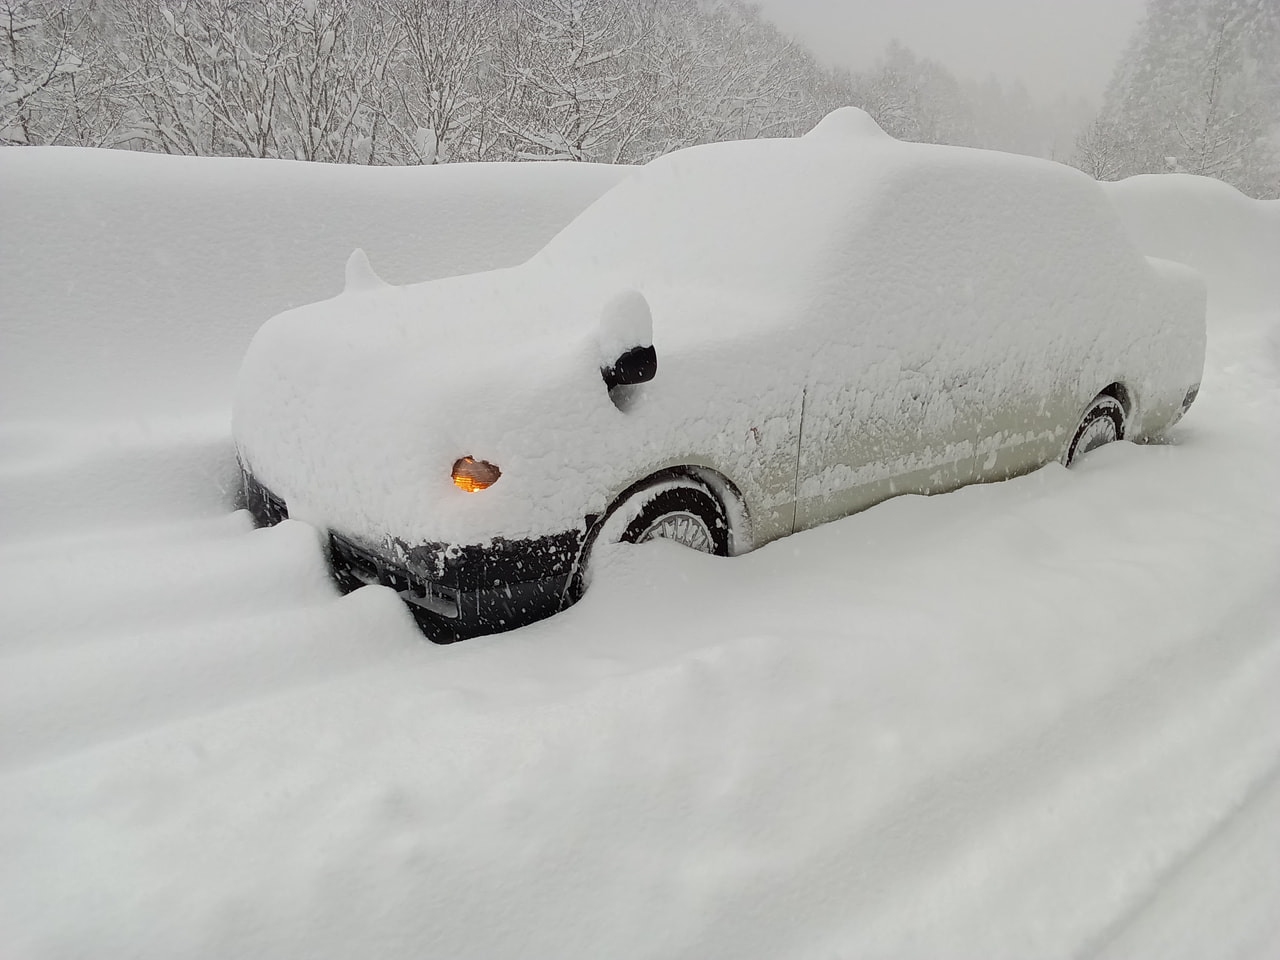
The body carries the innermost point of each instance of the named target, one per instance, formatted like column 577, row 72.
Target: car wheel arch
column 1121, row 393
column 711, row 481
column 1105, row 405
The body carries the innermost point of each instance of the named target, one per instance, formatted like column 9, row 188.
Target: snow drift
column 1233, row 240
column 133, row 282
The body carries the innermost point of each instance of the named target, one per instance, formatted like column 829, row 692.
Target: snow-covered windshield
column 756, row 214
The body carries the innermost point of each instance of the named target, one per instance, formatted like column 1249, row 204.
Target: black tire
column 1102, row 423
column 675, row 505
column 682, row 495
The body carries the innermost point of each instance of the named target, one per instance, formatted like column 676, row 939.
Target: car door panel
column 873, row 428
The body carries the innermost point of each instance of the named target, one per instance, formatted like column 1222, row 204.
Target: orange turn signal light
column 472, row 475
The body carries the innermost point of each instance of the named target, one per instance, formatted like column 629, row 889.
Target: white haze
column 1055, row 47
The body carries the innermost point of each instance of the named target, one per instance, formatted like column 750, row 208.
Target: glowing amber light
column 473, row 475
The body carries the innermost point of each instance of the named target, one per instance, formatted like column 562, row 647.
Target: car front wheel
column 679, row 509
column 685, row 513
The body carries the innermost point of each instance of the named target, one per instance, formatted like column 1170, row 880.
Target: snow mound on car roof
column 1233, row 240
column 847, row 122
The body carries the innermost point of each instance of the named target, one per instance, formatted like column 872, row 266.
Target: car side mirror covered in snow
column 627, row 355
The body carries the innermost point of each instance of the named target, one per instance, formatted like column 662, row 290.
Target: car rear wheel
column 1102, row 423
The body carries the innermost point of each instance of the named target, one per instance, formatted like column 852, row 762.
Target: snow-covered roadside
column 1027, row 719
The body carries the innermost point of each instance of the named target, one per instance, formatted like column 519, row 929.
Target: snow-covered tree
column 715, row 71
column 38, row 64
column 570, row 95
column 328, row 92
column 1100, row 151
column 439, row 104
column 427, row 81
column 1198, row 90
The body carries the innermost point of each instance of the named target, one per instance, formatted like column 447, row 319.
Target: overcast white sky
column 1053, row 46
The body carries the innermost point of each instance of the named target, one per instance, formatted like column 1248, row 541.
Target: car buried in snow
column 737, row 342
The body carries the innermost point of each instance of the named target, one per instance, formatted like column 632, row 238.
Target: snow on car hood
column 355, row 409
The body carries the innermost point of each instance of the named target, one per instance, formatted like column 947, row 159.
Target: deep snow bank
column 1232, row 239
column 131, row 283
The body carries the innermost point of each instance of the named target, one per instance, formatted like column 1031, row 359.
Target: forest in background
column 1197, row 91
column 614, row 81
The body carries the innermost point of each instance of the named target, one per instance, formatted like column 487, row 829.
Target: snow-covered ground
column 1032, row 719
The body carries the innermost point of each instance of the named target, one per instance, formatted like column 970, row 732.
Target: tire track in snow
column 69, row 479
column 68, row 590
column 1108, row 809
column 1169, row 924
column 75, row 698
column 108, row 635
column 970, row 854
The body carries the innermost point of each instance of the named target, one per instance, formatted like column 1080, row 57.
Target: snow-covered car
column 737, row 342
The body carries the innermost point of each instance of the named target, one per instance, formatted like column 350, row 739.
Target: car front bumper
column 453, row 592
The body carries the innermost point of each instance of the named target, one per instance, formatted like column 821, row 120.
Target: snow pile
column 1233, row 240
column 132, row 283
column 913, row 288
